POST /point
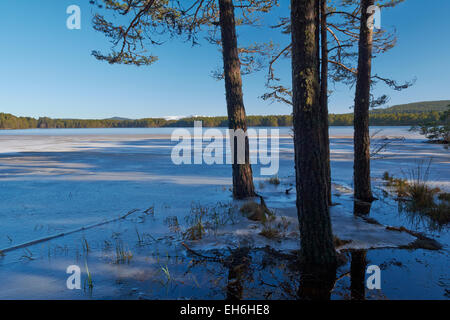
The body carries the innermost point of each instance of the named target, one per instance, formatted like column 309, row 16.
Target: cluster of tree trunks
column 310, row 122
column 311, row 139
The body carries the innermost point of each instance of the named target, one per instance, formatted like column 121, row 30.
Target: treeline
column 8, row 121
column 388, row 119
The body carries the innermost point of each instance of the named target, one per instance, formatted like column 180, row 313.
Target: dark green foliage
column 437, row 131
column 146, row 23
column 8, row 121
column 387, row 119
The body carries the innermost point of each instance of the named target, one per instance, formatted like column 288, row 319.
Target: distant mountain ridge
column 416, row 107
column 118, row 118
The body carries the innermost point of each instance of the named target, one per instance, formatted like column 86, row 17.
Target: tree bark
column 361, row 167
column 324, row 96
column 358, row 274
column 242, row 173
column 317, row 248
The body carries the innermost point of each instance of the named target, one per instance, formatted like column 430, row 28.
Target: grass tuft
column 445, row 196
column 85, row 244
column 122, row 255
column 418, row 197
column 196, row 229
column 88, row 282
column 274, row 180
column 270, row 232
column 255, row 211
column 202, row 219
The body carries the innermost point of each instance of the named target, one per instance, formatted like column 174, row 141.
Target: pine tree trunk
column 358, row 266
column 242, row 173
column 324, row 95
column 317, row 248
column 361, row 169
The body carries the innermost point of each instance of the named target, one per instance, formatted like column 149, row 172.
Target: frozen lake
column 339, row 131
column 57, row 180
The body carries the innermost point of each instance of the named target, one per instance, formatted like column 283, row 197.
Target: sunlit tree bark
column 324, row 95
column 242, row 173
column 317, row 248
column 361, row 167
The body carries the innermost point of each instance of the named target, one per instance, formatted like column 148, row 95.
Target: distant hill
column 118, row 118
column 416, row 107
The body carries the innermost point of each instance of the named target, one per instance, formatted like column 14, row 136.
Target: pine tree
column 176, row 18
column 317, row 248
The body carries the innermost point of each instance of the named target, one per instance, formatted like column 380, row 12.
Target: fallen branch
column 200, row 255
column 30, row 243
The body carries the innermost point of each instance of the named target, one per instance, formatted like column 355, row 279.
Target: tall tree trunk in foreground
column 317, row 248
column 358, row 266
column 324, row 95
column 242, row 173
column 361, row 168
column 238, row 264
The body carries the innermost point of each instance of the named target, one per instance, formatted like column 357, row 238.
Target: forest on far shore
column 8, row 121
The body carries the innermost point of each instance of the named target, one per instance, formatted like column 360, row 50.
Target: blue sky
column 48, row 70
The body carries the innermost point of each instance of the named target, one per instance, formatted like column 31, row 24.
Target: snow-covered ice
column 55, row 181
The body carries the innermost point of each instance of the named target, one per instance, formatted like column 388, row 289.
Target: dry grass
column 398, row 184
column 339, row 242
column 418, row 189
column 203, row 218
column 122, row 255
column 253, row 211
column 440, row 213
column 173, row 224
column 256, row 212
column 196, row 228
column 445, row 196
column 195, row 232
column 274, row 180
column 270, row 232
column 419, row 197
